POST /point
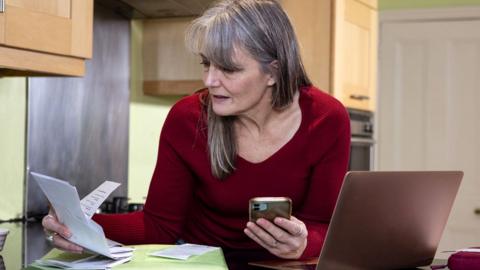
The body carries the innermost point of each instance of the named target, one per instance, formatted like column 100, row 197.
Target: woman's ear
column 273, row 67
column 271, row 81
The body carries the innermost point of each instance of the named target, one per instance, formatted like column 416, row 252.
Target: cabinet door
column 55, row 26
column 428, row 110
column 168, row 69
column 371, row 3
column 355, row 48
column 2, row 27
column 311, row 20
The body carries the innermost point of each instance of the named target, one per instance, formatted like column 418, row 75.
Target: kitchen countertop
column 25, row 243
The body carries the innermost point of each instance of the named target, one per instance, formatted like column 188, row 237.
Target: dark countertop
column 25, row 243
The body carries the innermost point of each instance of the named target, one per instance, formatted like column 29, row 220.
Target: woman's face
column 238, row 92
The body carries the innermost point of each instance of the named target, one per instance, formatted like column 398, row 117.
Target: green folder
column 212, row 260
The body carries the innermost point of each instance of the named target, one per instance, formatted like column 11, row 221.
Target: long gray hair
column 262, row 29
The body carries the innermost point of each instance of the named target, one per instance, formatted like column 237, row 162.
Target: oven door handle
column 362, row 141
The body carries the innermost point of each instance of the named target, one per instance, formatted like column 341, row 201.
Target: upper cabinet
column 168, row 68
column 338, row 41
column 312, row 22
column 355, row 53
column 338, row 44
column 45, row 37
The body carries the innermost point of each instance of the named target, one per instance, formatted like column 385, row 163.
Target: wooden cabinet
column 338, row 41
column 45, row 37
column 355, row 53
column 312, row 22
column 168, row 68
column 338, row 44
column 2, row 22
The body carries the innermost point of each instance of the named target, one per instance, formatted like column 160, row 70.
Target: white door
column 429, row 110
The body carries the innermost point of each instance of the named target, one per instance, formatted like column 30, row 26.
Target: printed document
column 92, row 201
column 76, row 215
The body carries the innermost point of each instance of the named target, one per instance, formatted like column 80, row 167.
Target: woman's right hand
column 58, row 234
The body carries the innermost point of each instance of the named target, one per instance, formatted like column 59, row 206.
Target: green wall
column 12, row 146
column 147, row 115
column 11, row 254
column 412, row 4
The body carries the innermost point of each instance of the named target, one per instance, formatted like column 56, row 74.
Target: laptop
column 384, row 220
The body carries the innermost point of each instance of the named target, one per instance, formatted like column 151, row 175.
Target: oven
column 362, row 142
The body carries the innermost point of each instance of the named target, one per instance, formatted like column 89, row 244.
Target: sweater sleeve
column 327, row 178
column 168, row 199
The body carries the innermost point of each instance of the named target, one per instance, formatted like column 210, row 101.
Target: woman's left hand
column 284, row 238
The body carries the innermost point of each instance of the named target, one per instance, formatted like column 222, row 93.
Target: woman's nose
column 211, row 77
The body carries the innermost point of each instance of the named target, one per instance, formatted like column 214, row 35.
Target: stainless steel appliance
column 78, row 127
column 362, row 142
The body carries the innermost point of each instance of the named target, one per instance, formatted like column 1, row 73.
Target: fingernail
column 66, row 234
column 262, row 221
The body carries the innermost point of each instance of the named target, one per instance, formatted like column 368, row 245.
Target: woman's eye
column 206, row 66
column 228, row 71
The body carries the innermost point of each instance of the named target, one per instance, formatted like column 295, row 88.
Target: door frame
column 430, row 14
column 463, row 13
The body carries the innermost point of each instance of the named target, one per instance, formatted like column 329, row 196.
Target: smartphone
column 269, row 208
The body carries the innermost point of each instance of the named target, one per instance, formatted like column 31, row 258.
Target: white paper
column 92, row 201
column 470, row 249
column 91, row 262
column 183, row 252
column 121, row 252
column 85, row 232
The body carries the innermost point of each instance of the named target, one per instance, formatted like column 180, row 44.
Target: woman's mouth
column 220, row 97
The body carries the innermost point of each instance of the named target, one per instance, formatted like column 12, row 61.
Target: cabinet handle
column 477, row 211
column 359, row 97
column 2, row 6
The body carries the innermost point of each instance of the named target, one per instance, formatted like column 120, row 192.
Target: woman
column 258, row 129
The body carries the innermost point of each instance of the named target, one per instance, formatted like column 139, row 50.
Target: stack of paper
column 89, row 261
column 76, row 215
column 213, row 260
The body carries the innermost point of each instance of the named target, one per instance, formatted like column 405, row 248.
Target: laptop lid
column 389, row 220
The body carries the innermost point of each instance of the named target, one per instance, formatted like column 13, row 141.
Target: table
column 26, row 243
column 213, row 260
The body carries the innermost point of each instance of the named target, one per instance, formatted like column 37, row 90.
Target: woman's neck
column 259, row 120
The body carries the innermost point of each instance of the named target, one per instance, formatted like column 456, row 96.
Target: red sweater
column 186, row 202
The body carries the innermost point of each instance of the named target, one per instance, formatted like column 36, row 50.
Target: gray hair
column 262, row 29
